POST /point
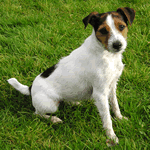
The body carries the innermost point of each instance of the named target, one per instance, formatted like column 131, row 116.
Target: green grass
column 34, row 35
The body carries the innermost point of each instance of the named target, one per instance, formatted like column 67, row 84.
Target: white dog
column 90, row 71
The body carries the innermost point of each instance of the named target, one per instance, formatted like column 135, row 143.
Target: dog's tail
column 24, row 89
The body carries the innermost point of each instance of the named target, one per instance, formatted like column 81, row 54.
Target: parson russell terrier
column 89, row 72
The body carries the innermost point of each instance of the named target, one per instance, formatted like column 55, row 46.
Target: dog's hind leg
column 74, row 103
column 53, row 119
column 43, row 104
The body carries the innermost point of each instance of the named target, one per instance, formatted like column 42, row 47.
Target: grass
column 34, row 35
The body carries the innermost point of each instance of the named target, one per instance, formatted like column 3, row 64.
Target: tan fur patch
column 103, row 38
column 124, row 32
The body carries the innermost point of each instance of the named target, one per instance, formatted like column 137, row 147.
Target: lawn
column 34, row 35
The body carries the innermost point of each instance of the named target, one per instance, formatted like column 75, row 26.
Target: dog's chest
column 113, row 66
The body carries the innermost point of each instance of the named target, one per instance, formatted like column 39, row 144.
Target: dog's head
column 111, row 28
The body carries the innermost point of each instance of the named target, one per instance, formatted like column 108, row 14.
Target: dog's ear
column 91, row 18
column 127, row 13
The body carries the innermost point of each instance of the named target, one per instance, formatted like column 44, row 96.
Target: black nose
column 117, row 45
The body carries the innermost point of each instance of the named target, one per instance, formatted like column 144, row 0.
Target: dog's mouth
column 116, row 46
column 115, row 50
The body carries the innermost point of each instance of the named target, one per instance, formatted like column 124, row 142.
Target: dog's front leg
column 101, row 101
column 114, row 102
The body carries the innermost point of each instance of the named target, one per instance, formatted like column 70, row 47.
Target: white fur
column 89, row 72
column 18, row 86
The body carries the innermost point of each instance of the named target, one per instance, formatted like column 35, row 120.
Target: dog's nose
column 117, row 45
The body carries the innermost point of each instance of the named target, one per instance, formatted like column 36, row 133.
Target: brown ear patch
column 127, row 13
column 95, row 19
column 90, row 19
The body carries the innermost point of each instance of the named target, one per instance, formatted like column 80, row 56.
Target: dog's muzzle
column 117, row 46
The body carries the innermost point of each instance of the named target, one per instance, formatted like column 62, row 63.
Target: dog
column 89, row 72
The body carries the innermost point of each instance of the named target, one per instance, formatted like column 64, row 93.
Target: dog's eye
column 121, row 27
column 103, row 31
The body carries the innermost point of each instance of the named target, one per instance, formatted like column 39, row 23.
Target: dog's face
column 111, row 28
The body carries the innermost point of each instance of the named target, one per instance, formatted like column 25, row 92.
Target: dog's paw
column 55, row 119
column 46, row 116
column 123, row 117
column 75, row 103
column 112, row 141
